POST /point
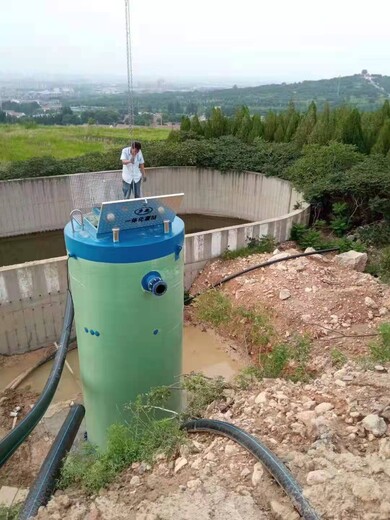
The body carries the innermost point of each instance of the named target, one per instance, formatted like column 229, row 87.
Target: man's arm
column 123, row 157
column 142, row 168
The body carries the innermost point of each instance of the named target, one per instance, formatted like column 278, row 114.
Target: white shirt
column 131, row 172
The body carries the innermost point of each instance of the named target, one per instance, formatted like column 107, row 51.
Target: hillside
column 363, row 91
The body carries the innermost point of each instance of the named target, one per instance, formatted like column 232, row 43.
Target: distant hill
column 364, row 91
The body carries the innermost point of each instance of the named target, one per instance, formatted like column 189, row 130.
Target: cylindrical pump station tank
column 126, row 271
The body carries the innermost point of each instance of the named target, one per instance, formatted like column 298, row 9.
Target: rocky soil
column 333, row 433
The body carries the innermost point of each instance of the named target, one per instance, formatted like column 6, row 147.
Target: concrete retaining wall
column 44, row 204
column 32, row 295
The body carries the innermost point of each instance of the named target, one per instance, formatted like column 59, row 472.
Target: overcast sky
column 277, row 40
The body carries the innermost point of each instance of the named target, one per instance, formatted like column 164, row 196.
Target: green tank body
column 129, row 317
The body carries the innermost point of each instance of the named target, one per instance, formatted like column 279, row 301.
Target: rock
column 276, row 252
column 135, row 481
column 369, row 302
column 307, row 418
column 261, row 398
column 257, row 474
column 210, row 456
column 197, row 464
column 245, row 472
column 284, row 294
column 366, row 489
column 380, row 368
column 352, row 260
column 310, row 250
column 279, row 256
column 375, row 424
column 282, row 512
column 339, row 382
column 323, row 408
column 180, row 463
column 230, row 449
column 384, row 448
column 194, row 484
column 382, row 311
column 318, row 477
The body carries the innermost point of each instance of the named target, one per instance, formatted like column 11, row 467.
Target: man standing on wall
column 133, row 171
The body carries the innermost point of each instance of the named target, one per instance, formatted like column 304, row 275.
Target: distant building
column 12, row 113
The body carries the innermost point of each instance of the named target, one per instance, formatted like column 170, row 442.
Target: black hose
column 189, row 299
column 275, row 466
column 44, row 484
column 10, row 443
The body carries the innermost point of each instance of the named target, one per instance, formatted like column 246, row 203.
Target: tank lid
column 127, row 230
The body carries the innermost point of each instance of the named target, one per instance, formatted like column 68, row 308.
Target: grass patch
column 285, row 360
column 18, row 143
column 250, row 326
column 141, row 440
column 379, row 264
column 202, row 391
column 311, row 237
column 338, row 358
column 266, row 244
column 380, row 350
column 10, row 513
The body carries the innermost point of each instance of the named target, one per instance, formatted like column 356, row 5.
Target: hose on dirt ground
column 45, row 482
column 10, row 443
column 189, row 299
column 269, row 460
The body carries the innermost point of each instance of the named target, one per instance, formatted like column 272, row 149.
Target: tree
column 257, row 128
column 270, row 125
column 323, row 131
column 245, row 128
column 238, row 117
column 196, row 126
column 306, row 125
column 292, row 122
column 382, row 144
column 3, row 117
column 185, row 124
column 352, row 131
column 218, row 123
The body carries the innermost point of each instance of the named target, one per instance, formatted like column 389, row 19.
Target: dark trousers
column 128, row 188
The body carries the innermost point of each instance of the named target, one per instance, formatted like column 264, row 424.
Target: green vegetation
column 253, row 327
column 380, row 350
column 286, row 360
column 201, row 391
column 141, row 441
column 9, row 513
column 338, row 358
column 265, row 244
column 255, row 330
column 353, row 90
column 18, row 143
column 305, row 237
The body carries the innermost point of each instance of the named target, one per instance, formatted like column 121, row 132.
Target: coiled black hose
column 189, row 299
column 44, row 484
column 275, row 466
column 10, row 443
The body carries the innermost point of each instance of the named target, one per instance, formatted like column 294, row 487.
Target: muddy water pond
column 39, row 246
column 203, row 352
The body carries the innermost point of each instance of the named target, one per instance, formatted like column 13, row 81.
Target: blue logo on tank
column 143, row 211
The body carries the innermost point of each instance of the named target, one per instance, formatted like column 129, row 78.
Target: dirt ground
column 332, row 433
column 338, row 308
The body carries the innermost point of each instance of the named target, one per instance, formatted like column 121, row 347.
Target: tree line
column 369, row 132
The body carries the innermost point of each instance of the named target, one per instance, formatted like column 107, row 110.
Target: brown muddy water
column 203, row 352
column 50, row 244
